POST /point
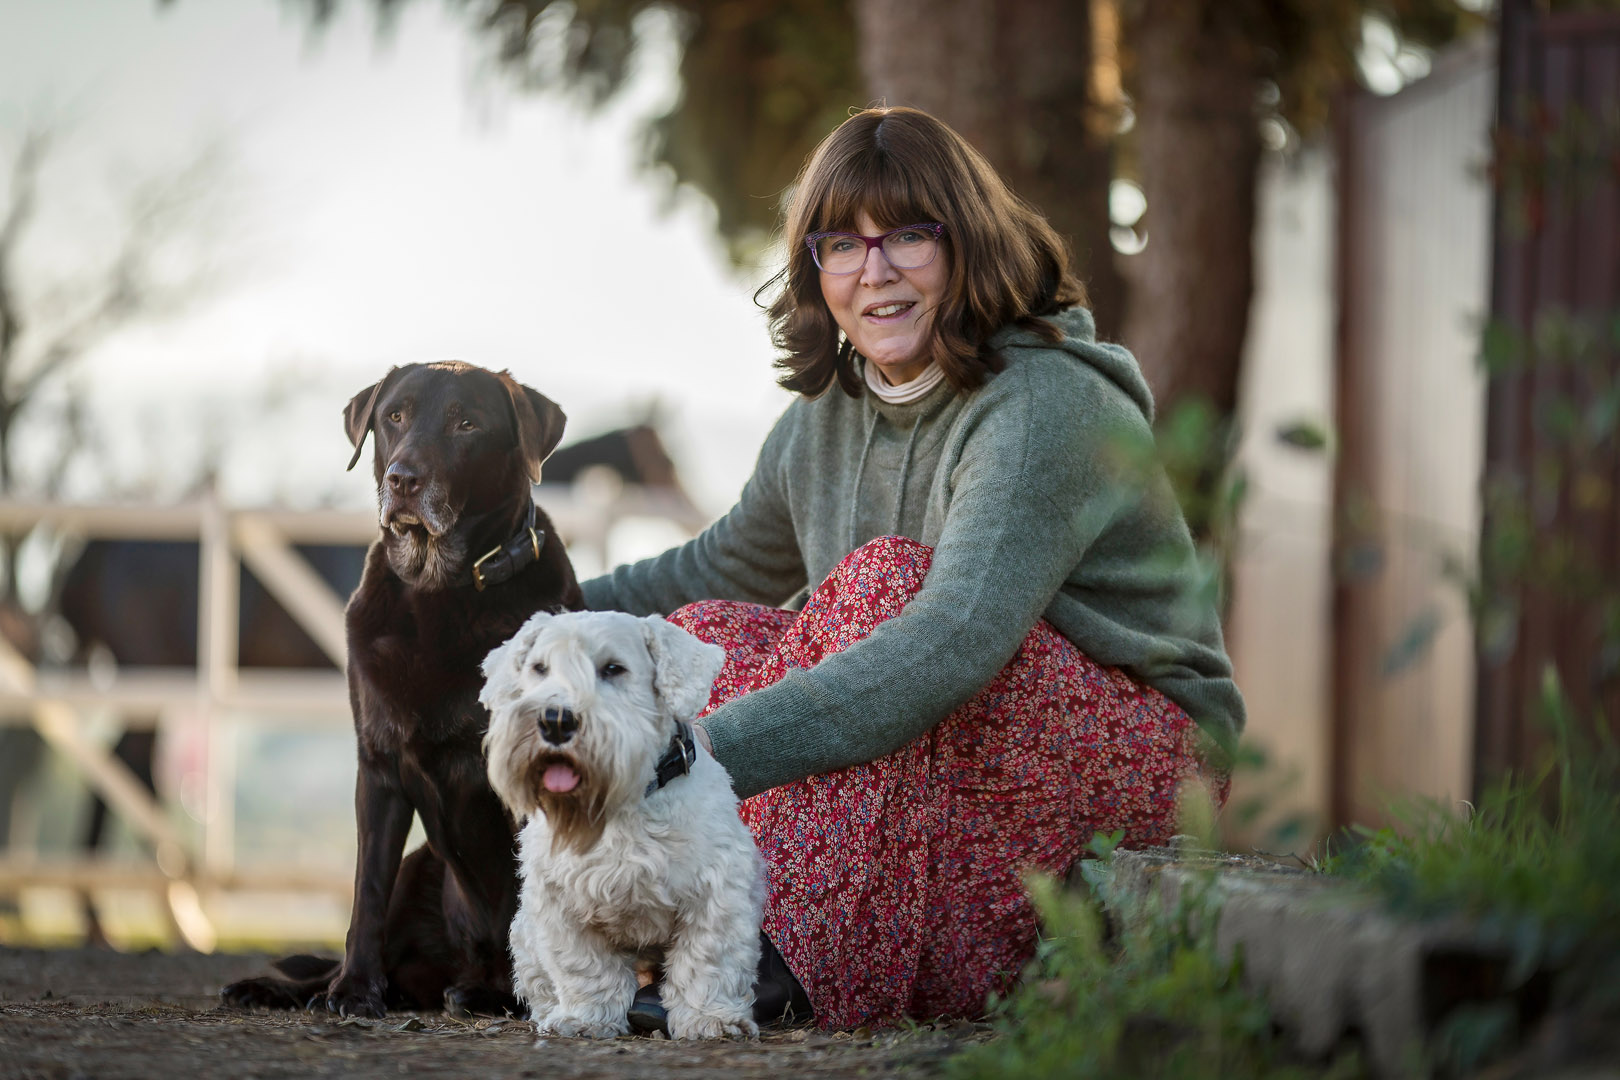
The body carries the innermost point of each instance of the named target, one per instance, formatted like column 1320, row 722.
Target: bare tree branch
column 149, row 274
column 21, row 196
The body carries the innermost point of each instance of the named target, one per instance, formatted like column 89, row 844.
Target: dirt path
column 66, row 1014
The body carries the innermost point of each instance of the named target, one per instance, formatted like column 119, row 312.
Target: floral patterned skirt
column 895, row 887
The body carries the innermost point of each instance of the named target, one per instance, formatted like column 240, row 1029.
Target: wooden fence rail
column 59, row 704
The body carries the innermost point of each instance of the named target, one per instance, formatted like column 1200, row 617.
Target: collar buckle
column 478, row 565
column 688, row 746
column 513, row 556
column 678, row 758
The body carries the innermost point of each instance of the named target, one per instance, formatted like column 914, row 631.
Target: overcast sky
column 381, row 202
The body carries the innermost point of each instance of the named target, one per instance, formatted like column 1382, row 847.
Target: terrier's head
column 581, row 707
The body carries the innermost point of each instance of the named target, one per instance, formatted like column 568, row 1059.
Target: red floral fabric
column 895, row 887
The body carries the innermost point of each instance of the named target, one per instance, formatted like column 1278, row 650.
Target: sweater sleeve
column 1020, row 517
column 750, row 554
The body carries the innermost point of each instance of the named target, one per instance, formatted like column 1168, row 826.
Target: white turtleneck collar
column 931, row 377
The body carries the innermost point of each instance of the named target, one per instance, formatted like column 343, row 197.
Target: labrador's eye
column 467, row 425
column 612, row 669
column 396, row 416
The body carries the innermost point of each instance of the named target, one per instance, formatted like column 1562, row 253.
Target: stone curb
column 1330, row 964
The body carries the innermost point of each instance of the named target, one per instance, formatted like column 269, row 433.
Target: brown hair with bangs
column 904, row 167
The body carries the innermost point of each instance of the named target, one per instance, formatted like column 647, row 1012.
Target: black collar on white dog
column 678, row 759
column 502, row 563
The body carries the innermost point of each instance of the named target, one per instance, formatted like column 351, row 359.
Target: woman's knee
column 873, row 583
column 888, row 569
column 710, row 618
column 892, row 555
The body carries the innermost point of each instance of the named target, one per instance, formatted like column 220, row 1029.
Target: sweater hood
column 1114, row 362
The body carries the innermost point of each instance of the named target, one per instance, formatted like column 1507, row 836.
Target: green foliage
column 1307, row 49
column 1196, row 448
column 762, row 83
column 1566, row 156
column 1544, row 534
column 1413, row 643
column 1305, row 435
column 1544, row 531
column 1535, row 865
column 1549, row 508
column 758, row 94
column 1157, row 1001
column 1260, row 788
column 1552, row 874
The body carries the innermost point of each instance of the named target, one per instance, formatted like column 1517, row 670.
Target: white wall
column 1279, row 627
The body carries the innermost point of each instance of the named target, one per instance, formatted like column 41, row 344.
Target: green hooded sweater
column 1039, row 495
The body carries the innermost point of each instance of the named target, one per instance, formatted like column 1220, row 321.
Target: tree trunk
column 1014, row 77
column 1198, row 141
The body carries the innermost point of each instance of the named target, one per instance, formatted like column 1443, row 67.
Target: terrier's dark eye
column 611, row 669
column 538, row 668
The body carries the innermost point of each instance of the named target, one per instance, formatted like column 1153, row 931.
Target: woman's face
column 884, row 311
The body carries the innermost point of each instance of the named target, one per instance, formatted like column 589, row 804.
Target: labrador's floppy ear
column 684, row 666
column 359, row 414
column 540, row 423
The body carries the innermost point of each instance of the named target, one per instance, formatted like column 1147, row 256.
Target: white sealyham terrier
column 631, row 853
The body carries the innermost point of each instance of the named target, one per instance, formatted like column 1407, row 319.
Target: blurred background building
column 1368, row 254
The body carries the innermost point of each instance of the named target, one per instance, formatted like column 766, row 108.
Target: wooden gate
column 1552, row 452
column 1413, row 265
column 184, row 869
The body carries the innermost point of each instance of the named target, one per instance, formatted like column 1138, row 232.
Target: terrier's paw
column 695, row 1025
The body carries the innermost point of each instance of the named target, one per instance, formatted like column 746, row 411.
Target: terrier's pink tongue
column 560, row 778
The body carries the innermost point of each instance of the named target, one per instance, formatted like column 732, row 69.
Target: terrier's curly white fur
column 614, row 878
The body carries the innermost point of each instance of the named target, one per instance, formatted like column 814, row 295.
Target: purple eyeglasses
column 907, row 248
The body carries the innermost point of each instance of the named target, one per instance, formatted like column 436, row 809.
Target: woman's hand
column 703, row 737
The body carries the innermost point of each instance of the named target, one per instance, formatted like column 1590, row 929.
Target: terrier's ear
column 540, row 423
column 360, row 414
column 684, row 666
column 504, row 662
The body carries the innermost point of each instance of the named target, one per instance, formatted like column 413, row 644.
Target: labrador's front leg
column 384, row 818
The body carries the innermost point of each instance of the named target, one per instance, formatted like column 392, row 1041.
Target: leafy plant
column 1157, row 1000
column 1507, row 859
column 1535, row 865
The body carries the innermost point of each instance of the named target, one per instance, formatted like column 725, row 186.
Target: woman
column 1005, row 647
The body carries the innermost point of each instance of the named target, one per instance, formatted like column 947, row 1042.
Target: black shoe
column 647, row 1013
column 778, row 997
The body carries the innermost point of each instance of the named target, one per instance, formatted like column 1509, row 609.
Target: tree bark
column 1014, row 78
column 1198, row 142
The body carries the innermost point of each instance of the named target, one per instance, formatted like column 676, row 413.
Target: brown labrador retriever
column 463, row 559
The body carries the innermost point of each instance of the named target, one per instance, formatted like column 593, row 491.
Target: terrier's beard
column 577, row 817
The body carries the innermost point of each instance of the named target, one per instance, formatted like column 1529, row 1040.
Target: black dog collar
column 678, row 759
column 502, row 563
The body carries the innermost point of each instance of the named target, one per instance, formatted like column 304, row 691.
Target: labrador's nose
column 557, row 726
column 402, row 479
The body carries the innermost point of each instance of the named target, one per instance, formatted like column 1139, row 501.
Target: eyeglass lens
column 906, row 249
